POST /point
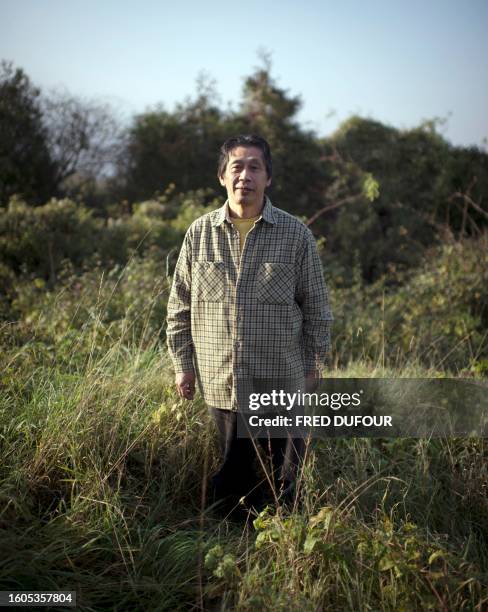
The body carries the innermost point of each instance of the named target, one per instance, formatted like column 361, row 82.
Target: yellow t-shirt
column 243, row 226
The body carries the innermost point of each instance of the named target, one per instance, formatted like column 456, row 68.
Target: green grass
column 104, row 469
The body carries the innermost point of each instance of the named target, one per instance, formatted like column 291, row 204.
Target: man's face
column 245, row 176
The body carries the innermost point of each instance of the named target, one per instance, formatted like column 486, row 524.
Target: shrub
column 436, row 314
column 39, row 239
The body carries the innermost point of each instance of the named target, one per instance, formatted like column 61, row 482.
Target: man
column 248, row 302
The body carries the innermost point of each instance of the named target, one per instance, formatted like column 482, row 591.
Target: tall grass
column 103, row 475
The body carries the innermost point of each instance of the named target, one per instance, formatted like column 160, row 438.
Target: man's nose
column 244, row 173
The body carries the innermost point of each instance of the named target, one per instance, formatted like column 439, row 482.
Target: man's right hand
column 185, row 385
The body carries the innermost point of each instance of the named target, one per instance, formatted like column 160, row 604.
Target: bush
column 39, row 239
column 89, row 312
column 437, row 314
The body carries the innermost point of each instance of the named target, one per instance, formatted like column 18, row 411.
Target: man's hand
column 311, row 381
column 185, row 385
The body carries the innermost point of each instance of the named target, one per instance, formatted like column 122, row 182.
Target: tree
column 26, row 165
column 464, row 192
column 51, row 145
column 83, row 137
column 182, row 146
column 299, row 175
column 399, row 225
column 179, row 147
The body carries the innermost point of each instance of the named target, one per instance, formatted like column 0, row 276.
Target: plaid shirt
column 263, row 314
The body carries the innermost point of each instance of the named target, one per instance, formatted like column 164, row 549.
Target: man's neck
column 245, row 212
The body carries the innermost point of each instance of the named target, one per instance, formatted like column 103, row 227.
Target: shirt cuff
column 183, row 363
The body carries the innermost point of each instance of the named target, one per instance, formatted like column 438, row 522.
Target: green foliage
column 26, row 166
column 190, row 206
column 464, row 185
column 371, row 188
column 40, row 241
column 379, row 195
column 91, row 474
column 179, row 147
column 53, row 145
column 182, row 146
column 91, row 309
column 428, row 191
column 397, row 562
column 363, row 548
column 299, row 176
column 436, row 314
column 104, row 471
column 222, row 565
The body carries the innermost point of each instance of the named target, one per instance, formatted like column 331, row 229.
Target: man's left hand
column 185, row 385
column 311, row 381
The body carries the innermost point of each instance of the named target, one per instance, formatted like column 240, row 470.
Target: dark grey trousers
column 241, row 472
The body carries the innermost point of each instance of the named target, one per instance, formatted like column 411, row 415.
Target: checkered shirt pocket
column 275, row 283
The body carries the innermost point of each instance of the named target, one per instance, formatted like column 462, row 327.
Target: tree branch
column 330, row 207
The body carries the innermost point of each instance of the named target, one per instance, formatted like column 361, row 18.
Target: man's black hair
column 245, row 140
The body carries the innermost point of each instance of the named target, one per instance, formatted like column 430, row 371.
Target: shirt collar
column 222, row 213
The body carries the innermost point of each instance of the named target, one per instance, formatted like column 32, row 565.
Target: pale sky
column 399, row 62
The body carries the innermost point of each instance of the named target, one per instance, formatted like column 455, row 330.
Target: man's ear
column 222, row 182
column 268, row 183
